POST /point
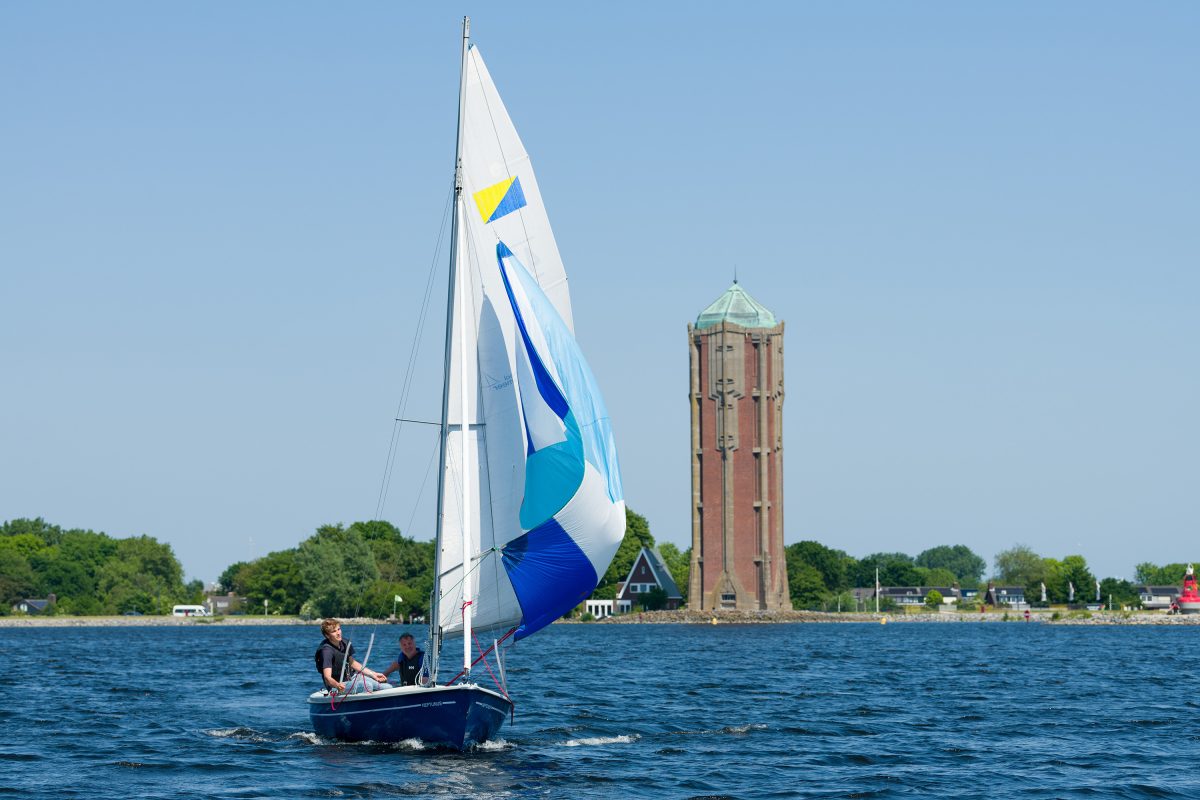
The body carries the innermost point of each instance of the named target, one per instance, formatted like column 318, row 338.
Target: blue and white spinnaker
column 533, row 510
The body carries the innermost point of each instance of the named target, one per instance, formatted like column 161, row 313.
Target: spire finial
column 735, row 274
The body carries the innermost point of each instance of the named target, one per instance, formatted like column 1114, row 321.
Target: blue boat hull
column 443, row 716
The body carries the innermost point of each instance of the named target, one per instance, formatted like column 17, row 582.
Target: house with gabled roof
column 1011, row 596
column 1158, row 597
column 34, row 606
column 648, row 572
column 916, row 595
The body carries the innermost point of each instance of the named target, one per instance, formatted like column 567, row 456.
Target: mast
column 435, row 631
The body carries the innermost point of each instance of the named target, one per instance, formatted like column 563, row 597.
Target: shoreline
column 681, row 617
column 685, row 617
column 151, row 621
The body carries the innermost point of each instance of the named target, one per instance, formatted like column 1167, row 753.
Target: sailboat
column 530, row 505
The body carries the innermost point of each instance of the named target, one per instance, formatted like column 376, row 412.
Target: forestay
column 541, row 493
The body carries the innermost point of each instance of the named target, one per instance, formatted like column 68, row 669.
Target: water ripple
column 810, row 711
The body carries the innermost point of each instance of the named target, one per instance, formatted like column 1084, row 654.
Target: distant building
column 33, row 606
column 1011, row 596
column 917, row 595
column 1158, row 597
column 598, row 608
column 647, row 573
column 229, row 603
column 736, row 397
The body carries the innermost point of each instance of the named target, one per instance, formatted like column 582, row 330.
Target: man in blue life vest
column 337, row 665
column 408, row 663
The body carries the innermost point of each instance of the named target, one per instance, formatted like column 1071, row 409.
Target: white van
column 189, row 611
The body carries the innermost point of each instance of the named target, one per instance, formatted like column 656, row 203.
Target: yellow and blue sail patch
column 500, row 199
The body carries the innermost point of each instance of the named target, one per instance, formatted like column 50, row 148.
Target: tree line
column 340, row 570
column 359, row 569
column 89, row 572
column 821, row 577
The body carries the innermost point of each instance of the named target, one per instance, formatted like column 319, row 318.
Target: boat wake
column 307, row 736
column 245, row 734
column 405, row 745
column 601, row 740
column 494, row 744
column 728, row 730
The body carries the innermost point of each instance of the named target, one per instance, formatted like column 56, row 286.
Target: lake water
column 627, row 711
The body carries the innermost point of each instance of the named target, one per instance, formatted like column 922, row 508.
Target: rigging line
column 478, row 563
column 406, row 392
column 406, row 386
column 393, row 445
column 478, row 557
column 421, row 492
column 504, row 158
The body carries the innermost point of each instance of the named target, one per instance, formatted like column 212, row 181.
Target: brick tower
column 736, row 395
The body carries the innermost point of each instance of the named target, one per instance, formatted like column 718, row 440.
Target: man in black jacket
column 408, row 663
column 336, row 662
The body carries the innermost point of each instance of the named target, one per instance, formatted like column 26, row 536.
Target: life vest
column 410, row 669
column 339, row 657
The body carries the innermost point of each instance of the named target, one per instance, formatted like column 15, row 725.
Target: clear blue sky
column 979, row 222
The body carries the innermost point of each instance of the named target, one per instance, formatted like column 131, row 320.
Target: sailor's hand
column 341, row 687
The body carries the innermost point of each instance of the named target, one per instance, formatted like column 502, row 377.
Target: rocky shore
column 681, row 617
column 686, row 617
column 159, row 622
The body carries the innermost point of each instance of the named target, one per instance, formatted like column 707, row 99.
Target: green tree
column 679, row 564
column 69, row 569
column 606, row 592
column 231, row 580
column 1122, row 592
column 398, row 557
column 653, row 600
column 193, row 592
column 50, row 534
column 637, row 536
column 937, row 576
column 1073, row 570
column 1167, row 575
column 90, row 572
column 1020, row 566
column 805, row 585
column 895, row 569
column 16, row 577
column 275, row 578
column 337, row 568
column 27, row 544
column 143, row 575
column 835, row 566
column 379, row 599
column 960, row 560
column 934, row 598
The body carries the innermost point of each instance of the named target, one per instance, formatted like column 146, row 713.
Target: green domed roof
column 738, row 307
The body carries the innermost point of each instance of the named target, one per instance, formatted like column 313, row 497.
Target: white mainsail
column 520, row 394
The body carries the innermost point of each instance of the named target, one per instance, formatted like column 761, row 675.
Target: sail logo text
column 498, row 383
